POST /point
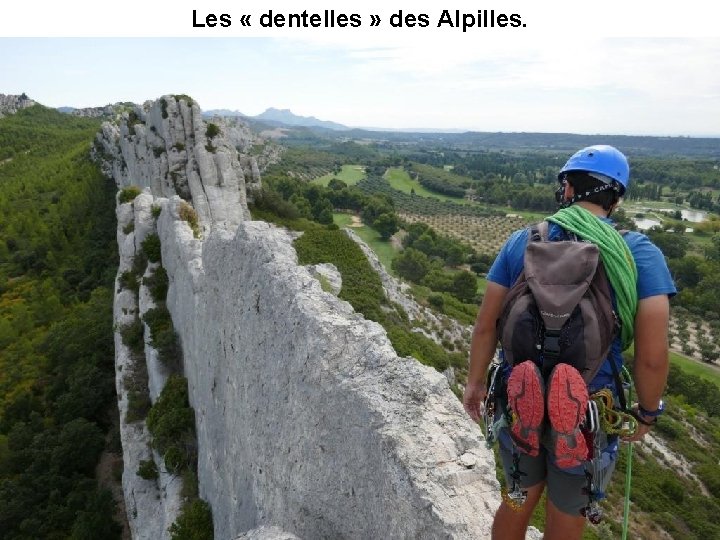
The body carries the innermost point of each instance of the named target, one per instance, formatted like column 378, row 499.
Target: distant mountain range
column 281, row 116
column 471, row 141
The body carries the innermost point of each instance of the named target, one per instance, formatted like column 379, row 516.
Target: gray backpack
column 560, row 308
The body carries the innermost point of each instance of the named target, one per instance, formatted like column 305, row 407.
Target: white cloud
column 557, row 83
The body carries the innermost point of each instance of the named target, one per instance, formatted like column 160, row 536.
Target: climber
column 550, row 440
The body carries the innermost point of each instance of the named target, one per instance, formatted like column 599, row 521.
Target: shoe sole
column 567, row 400
column 525, row 390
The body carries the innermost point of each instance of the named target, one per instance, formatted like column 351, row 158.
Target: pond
column 644, row 223
column 695, row 216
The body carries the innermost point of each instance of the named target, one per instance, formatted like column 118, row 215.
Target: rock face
column 309, row 425
column 10, row 104
column 108, row 111
column 165, row 145
column 306, row 417
column 152, row 504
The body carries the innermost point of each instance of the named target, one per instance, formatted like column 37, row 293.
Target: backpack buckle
column 551, row 344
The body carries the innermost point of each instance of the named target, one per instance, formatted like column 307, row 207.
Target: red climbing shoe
column 567, row 400
column 525, row 391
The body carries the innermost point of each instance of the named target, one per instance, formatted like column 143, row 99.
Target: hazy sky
column 656, row 86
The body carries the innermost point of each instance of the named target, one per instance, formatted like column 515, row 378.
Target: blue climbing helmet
column 601, row 161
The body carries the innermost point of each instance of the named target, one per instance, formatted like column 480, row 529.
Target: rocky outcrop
column 108, row 111
column 10, row 104
column 306, row 417
column 308, row 423
column 165, row 145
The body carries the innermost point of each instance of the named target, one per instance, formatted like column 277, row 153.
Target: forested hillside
column 57, row 263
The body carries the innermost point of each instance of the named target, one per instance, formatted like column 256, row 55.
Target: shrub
column 158, row 284
column 138, row 406
column 130, row 227
column 147, row 469
column 162, row 335
column 151, row 248
column 194, row 522
column 408, row 343
column 140, row 262
column 189, row 484
column 212, row 131
column 171, row 422
column 184, row 97
column 133, row 119
column 437, row 301
column 175, row 459
column 128, row 280
column 156, row 211
column 163, row 106
column 132, row 336
column 361, row 284
column 412, row 265
column 179, row 146
column 129, row 193
column 188, row 213
column 272, row 201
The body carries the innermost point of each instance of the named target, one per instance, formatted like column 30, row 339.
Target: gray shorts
column 566, row 489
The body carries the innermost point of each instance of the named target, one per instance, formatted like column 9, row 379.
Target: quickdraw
column 516, row 496
column 489, row 405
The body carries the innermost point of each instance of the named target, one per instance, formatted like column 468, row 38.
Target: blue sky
column 656, row 86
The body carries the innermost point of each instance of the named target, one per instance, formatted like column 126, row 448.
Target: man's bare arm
column 482, row 348
column 651, row 364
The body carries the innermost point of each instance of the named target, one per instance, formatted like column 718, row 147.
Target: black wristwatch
column 652, row 414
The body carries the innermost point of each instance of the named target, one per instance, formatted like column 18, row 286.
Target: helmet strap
column 579, row 196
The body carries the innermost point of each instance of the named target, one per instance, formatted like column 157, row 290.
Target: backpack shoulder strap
column 538, row 232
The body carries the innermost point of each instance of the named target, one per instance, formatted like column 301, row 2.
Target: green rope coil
column 615, row 255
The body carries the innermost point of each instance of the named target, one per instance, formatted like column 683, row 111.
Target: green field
column 400, row 179
column 350, row 174
column 382, row 248
column 688, row 365
column 706, row 371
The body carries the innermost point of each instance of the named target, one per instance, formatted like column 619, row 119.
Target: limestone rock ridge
column 10, row 104
column 309, row 425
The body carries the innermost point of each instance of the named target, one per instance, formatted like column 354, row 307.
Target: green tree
column 386, row 225
column 194, row 522
column 464, row 286
column 412, row 265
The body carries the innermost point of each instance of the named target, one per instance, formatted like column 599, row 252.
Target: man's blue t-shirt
column 653, row 278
